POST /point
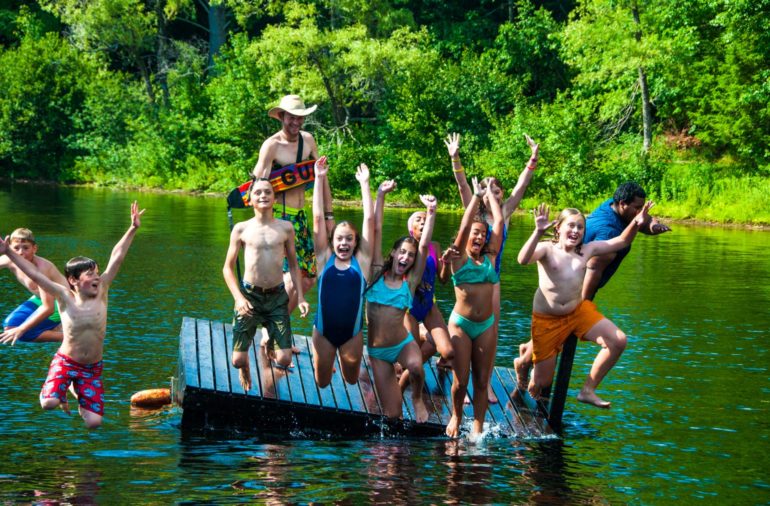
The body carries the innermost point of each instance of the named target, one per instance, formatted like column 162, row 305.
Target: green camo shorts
column 270, row 311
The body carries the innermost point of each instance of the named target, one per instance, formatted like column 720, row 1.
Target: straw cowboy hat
column 291, row 104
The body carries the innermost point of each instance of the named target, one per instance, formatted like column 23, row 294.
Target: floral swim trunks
column 303, row 239
column 87, row 380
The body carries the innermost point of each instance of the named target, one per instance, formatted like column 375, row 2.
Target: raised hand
column 321, row 167
column 450, row 254
column 535, row 147
column 429, row 201
column 477, row 189
column 136, row 214
column 452, row 142
column 541, row 218
column 657, row 227
column 387, row 186
column 362, row 173
column 642, row 216
column 4, row 245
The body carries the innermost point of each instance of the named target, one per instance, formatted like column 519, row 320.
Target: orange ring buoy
column 152, row 398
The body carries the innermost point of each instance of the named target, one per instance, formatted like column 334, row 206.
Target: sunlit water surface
column 689, row 418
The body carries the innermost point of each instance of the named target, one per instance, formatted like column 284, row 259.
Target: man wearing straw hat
column 280, row 160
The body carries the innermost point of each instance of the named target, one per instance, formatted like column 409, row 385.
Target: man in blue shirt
column 607, row 221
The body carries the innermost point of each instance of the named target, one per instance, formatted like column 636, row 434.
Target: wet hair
column 627, row 192
column 23, row 234
column 388, row 263
column 480, row 219
column 566, row 213
column 77, row 266
column 484, row 183
column 351, row 227
column 255, row 180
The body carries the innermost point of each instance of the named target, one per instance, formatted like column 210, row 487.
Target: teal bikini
column 472, row 273
column 400, row 298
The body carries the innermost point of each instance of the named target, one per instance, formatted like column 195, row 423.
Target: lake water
column 689, row 418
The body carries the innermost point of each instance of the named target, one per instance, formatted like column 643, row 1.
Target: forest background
column 173, row 94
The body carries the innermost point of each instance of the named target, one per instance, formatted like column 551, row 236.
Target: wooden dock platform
column 206, row 386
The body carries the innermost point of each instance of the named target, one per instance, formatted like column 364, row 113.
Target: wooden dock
column 207, row 388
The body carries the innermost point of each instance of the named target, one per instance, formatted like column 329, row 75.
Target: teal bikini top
column 400, row 297
column 471, row 272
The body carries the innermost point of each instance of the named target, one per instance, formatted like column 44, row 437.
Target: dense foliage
column 173, row 94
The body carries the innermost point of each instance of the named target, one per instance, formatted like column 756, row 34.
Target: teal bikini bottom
column 470, row 327
column 389, row 353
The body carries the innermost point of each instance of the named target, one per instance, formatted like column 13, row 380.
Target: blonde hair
column 23, row 234
column 566, row 213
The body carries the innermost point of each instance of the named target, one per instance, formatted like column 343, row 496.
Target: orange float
column 152, row 398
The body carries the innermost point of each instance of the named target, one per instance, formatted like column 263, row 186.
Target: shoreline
column 357, row 203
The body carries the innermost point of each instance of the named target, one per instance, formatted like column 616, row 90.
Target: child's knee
column 92, row 420
column 619, row 342
column 283, row 358
column 49, row 402
column 240, row 360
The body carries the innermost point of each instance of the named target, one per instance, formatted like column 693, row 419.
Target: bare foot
column 244, row 375
column 295, row 350
column 477, row 430
column 522, row 372
column 467, row 400
column 65, row 406
column 590, row 397
column 453, row 427
column 491, row 397
column 420, row 412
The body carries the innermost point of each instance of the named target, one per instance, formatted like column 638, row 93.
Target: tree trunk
column 161, row 52
column 217, row 31
column 146, row 78
column 646, row 112
column 646, row 105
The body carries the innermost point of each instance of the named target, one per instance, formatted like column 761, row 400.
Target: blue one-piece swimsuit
column 340, row 302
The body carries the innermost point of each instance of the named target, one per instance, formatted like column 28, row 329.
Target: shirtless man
column 260, row 299
column 559, row 308
column 37, row 319
column 288, row 146
column 83, row 307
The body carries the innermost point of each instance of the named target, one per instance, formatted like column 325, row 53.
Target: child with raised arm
column 260, row 298
column 37, row 319
column 507, row 207
column 559, row 309
column 388, row 298
column 83, row 308
column 472, row 322
column 346, row 263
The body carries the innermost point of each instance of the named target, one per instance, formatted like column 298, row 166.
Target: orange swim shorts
column 550, row 331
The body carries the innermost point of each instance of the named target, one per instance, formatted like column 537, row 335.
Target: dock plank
column 235, row 382
column 306, row 371
column 205, row 361
column 221, row 358
column 189, row 338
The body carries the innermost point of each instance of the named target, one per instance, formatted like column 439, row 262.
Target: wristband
column 461, row 169
column 329, row 216
column 456, row 159
column 432, row 210
column 532, row 163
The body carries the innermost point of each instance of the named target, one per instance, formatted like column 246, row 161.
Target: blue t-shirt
column 603, row 224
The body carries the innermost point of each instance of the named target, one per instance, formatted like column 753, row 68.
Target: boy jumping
column 83, row 308
column 261, row 299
